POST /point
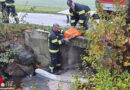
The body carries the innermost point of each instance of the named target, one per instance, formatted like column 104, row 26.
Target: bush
column 109, row 51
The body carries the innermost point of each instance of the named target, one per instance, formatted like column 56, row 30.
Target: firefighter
column 10, row 7
column 54, row 42
column 3, row 10
column 78, row 13
column 2, row 4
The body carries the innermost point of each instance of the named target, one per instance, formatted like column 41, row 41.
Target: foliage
column 104, row 80
column 109, row 51
column 109, row 43
column 5, row 57
column 10, row 34
column 10, row 29
column 77, row 84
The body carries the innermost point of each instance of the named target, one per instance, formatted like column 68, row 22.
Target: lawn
column 35, row 9
column 54, row 3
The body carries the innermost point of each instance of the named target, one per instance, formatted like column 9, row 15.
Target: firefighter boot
column 5, row 20
column 60, row 70
column 53, row 71
column 59, row 67
column 17, row 20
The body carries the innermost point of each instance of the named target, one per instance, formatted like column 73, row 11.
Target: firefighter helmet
column 69, row 2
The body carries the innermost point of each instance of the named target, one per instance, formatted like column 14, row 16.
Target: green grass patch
column 54, row 3
column 33, row 9
column 28, row 27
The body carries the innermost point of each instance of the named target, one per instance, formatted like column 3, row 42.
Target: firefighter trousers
column 11, row 9
column 85, row 23
column 55, row 60
column 3, row 10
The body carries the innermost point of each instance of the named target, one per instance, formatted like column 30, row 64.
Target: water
column 35, row 83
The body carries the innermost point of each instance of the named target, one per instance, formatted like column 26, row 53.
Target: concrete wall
column 71, row 52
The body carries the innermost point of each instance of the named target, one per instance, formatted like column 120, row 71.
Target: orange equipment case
column 71, row 33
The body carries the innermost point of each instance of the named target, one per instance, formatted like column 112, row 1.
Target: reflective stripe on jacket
column 54, row 41
column 79, row 12
column 10, row 2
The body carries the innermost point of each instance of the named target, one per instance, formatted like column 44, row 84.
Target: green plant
column 108, row 41
column 77, row 85
column 104, row 80
column 109, row 51
column 10, row 34
column 5, row 57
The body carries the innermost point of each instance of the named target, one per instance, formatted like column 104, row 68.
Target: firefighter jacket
column 54, row 41
column 10, row 2
column 78, row 12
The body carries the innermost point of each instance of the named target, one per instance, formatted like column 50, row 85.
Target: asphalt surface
column 40, row 19
column 43, row 19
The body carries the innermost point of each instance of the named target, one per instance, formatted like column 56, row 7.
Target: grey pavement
column 43, row 19
column 40, row 19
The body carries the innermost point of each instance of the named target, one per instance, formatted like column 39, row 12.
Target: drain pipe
column 56, row 77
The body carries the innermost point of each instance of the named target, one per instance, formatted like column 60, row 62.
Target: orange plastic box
column 71, row 33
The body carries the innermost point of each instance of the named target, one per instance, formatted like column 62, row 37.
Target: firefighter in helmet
column 78, row 13
column 54, row 42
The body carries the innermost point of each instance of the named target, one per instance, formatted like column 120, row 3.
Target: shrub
column 109, row 51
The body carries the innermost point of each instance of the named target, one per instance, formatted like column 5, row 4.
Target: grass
column 27, row 27
column 34, row 9
column 48, row 6
column 54, row 3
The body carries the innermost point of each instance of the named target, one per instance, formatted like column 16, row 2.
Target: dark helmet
column 56, row 25
column 69, row 2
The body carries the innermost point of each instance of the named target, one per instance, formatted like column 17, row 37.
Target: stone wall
column 71, row 52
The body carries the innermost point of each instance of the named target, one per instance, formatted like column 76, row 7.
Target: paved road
column 43, row 19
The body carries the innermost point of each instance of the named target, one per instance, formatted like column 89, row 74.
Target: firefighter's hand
column 65, row 40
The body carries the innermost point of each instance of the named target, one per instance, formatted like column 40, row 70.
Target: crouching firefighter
column 78, row 12
column 54, row 42
column 10, row 7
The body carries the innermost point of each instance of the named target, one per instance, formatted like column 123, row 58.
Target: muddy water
column 36, row 82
